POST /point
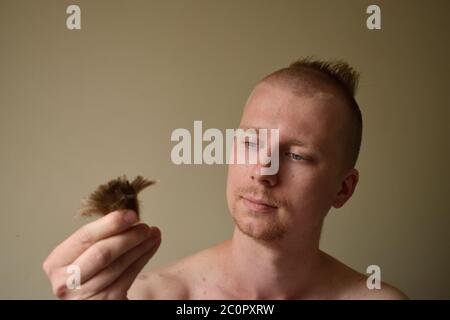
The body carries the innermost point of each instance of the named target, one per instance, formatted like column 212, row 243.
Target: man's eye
column 294, row 156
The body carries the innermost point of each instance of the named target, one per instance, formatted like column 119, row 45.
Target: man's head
column 312, row 104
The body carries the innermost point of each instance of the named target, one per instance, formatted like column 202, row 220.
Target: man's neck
column 278, row 269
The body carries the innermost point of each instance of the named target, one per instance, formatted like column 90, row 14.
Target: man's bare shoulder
column 350, row 284
column 173, row 281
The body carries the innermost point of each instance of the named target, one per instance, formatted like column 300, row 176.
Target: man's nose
column 266, row 180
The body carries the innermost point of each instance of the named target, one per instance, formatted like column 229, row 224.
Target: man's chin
column 260, row 230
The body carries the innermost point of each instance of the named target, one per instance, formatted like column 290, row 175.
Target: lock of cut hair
column 114, row 195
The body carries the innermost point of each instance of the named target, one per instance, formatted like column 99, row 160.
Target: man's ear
column 348, row 186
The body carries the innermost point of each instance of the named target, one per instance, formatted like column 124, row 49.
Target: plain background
column 80, row 107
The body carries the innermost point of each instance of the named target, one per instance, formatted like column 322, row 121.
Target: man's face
column 310, row 127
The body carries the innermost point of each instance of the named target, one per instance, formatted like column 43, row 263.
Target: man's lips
column 257, row 204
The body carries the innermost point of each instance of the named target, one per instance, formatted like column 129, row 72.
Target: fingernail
column 130, row 217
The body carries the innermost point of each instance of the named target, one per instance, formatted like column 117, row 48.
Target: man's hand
column 109, row 252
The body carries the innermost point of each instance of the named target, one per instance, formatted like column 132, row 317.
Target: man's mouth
column 257, row 204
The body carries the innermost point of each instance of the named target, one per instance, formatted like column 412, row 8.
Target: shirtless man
column 274, row 250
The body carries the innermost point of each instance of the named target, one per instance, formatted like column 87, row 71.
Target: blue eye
column 294, row 156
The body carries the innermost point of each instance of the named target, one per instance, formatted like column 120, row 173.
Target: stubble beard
column 258, row 226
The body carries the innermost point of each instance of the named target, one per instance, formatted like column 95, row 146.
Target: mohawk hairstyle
column 116, row 194
column 339, row 71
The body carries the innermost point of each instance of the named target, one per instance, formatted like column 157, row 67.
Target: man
column 274, row 251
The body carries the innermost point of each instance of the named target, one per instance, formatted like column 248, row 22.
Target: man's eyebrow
column 297, row 142
column 251, row 127
column 308, row 146
column 248, row 127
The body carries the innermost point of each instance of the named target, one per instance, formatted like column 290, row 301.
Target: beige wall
column 80, row 107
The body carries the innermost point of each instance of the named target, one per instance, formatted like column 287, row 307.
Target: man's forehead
column 269, row 101
column 286, row 137
column 288, row 93
column 302, row 117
